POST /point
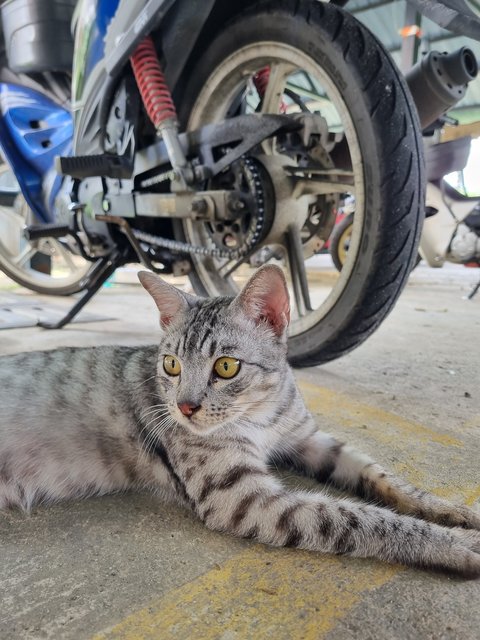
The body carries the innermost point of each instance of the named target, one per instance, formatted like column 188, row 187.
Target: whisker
column 145, row 381
column 153, row 412
column 154, row 420
column 152, row 408
column 160, row 426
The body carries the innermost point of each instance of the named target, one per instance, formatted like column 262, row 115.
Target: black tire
column 388, row 134
column 337, row 238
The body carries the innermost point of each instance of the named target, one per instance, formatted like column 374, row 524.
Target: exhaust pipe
column 439, row 81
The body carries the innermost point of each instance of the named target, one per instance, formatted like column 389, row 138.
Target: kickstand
column 474, row 291
column 99, row 274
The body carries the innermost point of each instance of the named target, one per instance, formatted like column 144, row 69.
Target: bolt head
column 199, row 206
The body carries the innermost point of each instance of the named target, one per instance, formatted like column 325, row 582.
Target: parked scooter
column 451, row 231
column 265, row 142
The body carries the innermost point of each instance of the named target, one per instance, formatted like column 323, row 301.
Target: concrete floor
column 129, row 567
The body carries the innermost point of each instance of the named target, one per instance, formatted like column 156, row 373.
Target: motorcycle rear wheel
column 379, row 122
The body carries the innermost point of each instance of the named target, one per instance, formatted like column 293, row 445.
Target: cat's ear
column 170, row 301
column 265, row 299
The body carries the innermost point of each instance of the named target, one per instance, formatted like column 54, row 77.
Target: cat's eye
column 171, row 366
column 226, row 367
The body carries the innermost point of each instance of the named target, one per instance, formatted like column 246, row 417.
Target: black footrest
column 52, row 230
column 106, row 166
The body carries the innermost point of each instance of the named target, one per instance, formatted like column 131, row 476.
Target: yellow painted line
column 339, row 407
column 470, row 494
column 261, row 593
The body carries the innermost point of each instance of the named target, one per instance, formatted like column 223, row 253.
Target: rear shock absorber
column 158, row 101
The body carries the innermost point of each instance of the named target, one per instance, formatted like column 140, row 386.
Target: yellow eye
column 171, row 366
column 226, row 367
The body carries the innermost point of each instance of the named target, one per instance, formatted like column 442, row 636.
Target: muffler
column 439, row 80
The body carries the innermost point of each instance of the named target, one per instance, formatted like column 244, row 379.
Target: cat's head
column 222, row 359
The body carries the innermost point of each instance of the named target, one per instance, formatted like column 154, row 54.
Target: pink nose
column 188, row 409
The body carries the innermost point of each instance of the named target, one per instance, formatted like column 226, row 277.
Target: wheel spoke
column 306, row 186
column 24, row 256
column 277, row 80
column 323, row 182
column 272, row 97
column 10, row 216
column 226, row 270
column 11, row 230
column 298, row 274
column 66, row 255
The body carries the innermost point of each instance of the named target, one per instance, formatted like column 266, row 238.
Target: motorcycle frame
column 106, row 33
column 113, row 30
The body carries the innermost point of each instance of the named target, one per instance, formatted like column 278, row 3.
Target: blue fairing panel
column 33, row 131
column 104, row 12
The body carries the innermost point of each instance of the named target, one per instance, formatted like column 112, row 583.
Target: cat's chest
column 259, row 440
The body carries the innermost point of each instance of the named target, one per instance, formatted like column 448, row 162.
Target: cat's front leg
column 328, row 460
column 245, row 500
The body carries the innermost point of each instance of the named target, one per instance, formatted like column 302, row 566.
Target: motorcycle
column 200, row 137
column 451, row 230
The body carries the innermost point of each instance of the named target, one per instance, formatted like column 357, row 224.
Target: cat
column 200, row 419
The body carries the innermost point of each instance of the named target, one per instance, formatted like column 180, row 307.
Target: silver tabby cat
column 201, row 419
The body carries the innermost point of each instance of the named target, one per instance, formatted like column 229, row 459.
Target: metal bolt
column 235, row 203
column 199, row 206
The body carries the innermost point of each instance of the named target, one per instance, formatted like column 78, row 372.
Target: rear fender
column 187, row 31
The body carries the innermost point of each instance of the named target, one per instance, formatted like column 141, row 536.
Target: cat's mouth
column 198, row 426
column 200, row 429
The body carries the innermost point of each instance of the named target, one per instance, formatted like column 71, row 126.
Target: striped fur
column 78, row 422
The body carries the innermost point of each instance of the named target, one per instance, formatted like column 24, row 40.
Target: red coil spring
column 151, row 83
